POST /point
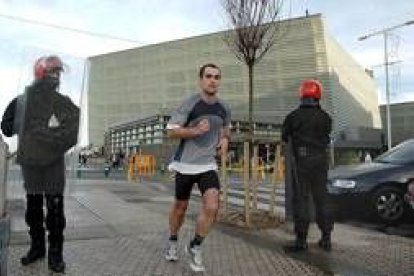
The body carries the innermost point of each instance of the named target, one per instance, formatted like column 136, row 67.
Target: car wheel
column 388, row 205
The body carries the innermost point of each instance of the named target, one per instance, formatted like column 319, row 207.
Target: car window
column 400, row 154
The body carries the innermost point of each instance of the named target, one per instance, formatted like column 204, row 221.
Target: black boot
column 325, row 242
column 55, row 260
column 37, row 251
column 299, row 244
column 55, row 222
column 34, row 219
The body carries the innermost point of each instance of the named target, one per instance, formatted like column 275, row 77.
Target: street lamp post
column 385, row 33
column 387, row 92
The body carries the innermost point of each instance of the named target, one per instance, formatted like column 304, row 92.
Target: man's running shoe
column 172, row 251
column 196, row 261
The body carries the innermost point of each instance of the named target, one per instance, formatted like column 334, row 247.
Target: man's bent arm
column 182, row 132
column 177, row 131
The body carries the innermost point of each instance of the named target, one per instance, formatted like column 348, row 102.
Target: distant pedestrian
column 361, row 156
column 367, row 158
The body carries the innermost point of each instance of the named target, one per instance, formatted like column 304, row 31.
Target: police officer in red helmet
column 46, row 123
column 306, row 131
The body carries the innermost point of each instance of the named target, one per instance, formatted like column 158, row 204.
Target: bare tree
column 255, row 29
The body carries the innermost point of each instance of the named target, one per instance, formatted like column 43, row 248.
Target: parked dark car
column 375, row 189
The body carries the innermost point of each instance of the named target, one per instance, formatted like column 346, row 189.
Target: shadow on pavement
column 324, row 261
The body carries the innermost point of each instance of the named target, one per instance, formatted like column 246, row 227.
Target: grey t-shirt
column 196, row 155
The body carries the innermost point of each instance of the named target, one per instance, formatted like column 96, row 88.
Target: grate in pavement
column 124, row 192
column 137, row 200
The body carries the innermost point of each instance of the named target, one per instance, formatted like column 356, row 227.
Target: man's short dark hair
column 203, row 68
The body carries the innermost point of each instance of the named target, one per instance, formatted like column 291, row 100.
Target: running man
column 202, row 123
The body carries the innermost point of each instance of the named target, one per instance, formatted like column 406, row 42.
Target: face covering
column 52, row 82
column 309, row 102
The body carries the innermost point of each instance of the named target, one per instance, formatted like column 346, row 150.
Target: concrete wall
column 352, row 90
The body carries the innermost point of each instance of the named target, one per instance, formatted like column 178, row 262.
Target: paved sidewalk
column 117, row 228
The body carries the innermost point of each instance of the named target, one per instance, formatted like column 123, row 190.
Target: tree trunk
column 251, row 122
column 246, row 180
column 254, row 181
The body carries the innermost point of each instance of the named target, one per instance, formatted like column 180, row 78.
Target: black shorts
column 184, row 183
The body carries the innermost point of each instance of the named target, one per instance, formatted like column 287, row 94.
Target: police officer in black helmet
column 306, row 131
column 46, row 123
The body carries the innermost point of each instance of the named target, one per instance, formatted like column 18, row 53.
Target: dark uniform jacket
column 309, row 127
column 29, row 116
column 307, row 130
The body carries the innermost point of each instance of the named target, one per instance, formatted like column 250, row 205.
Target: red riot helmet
column 310, row 89
column 46, row 65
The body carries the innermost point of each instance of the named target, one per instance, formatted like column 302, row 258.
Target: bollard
column 107, row 169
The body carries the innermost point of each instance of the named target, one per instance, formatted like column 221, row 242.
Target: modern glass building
column 154, row 79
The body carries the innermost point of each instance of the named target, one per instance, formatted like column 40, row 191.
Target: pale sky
column 154, row 21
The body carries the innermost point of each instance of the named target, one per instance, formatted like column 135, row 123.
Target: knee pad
column 55, row 214
column 54, row 203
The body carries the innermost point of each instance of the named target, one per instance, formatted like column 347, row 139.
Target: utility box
column 4, row 219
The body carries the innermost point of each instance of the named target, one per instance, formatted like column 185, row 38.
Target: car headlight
column 344, row 183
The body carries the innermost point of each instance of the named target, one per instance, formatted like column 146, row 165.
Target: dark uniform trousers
column 311, row 179
column 38, row 183
column 55, row 219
